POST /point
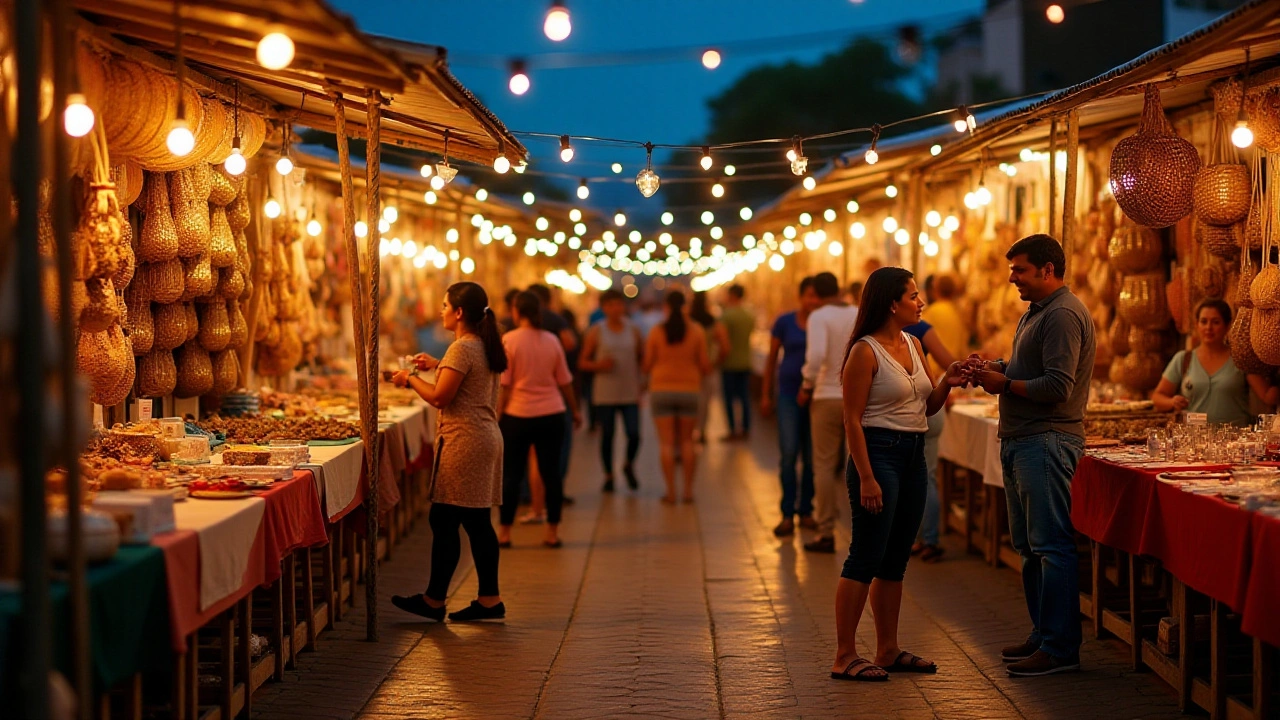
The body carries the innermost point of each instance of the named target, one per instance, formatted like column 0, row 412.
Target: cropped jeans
column 882, row 541
column 1037, row 484
column 795, row 444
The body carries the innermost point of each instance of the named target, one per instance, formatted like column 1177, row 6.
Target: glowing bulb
column 1242, row 136
column 891, row 191
column 730, row 170
column 705, row 162
column 858, row 230
column 890, row 224
column 716, row 232
column 647, row 182
column 745, row 213
column 234, row 164
column 362, row 229
column 519, row 83
column 776, row 263
column 933, row 218
column 467, row 266
column 835, row 248
column 1055, row 14
column 810, row 183
column 789, row 232
column 451, row 235
column 806, row 219
column 396, row 247
column 717, row 190
column 440, row 261
column 616, row 168
column 711, row 59
column 852, row 206
column 390, row 213
column 384, row 227
column 272, row 208
column 829, row 215
column 952, row 223
column 520, row 167
column 786, row 247
column 584, row 192
column 437, row 183
column 668, row 218
column 708, row 217
column 619, row 219
column 634, row 236
column 275, row 51
column 426, row 171
column 960, row 125
column 284, row 165
column 872, row 157
column 528, row 198
column 982, row 195
column 501, row 164
column 924, row 238
column 799, row 165
column 429, row 197
column 566, row 150
column 575, row 215
column 970, row 201
column 313, row 228
column 931, row 248
column 935, row 150
column 180, row 141
column 542, row 224
column 580, row 229
column 557, row 25
column 902, row 237
column 78, row 118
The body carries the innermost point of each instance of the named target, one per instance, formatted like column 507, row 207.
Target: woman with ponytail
column 676, row 361
column 467, row 478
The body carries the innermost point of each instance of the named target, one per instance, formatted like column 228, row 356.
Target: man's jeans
column 794, row 443
column 736, row 384
column 932, row 504
column 1037, row 484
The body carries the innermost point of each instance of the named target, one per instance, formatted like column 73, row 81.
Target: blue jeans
column 736, row 391
column 932, row 503
column 1037, row 484
column 794, row 443
column 882, row 541
column 606, row 417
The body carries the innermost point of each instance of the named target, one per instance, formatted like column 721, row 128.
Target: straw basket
column 1253, row 227
column 170, row 326
column 1153, row 172
column 1222, row 193
column 1141, row 371
column 124, row 109
column 1135, row 249
column 1244, row 282
column 159, row 239
column 115, row 392
column 215, row 327
column 230, row 283
column 1145, row 341
column 198, row 278
column 1263, row 109
column 223, row 245
column 1220, row 240
column 1142, row 302
column 157, row 374
column 253, row 133
column 226, row 371
column 190, row 214
column 1118, row 336
column 128, row 259
column 129, row 179
column 164, row 281
column 1115, row 373
column 202, row 178
column 193, row 321
column 195, row 371
column 238, row 214
column 239, row 328
column 221, row 191
column 1264, row 334
column 141, row 324
column 103, row 309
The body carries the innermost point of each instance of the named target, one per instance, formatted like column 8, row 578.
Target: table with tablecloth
column 970, row 439
column 1213, row 546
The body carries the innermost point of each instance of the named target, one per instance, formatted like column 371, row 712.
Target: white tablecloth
column 226, row 530
column 337, row 471
column 970, row 440
column 414, row 422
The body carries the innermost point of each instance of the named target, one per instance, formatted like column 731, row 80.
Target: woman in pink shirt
column 537, row 388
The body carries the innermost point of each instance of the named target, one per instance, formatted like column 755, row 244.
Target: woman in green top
column 1206, row 379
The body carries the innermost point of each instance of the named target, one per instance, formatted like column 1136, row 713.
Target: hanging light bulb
column 619, row 219
column 1055, row 14
column 890, row 224
column 575, row 215
column 711, row 59
column 809, row 183
column 518, row 83
column 858, row 230
column 891, row 190
column 180, row 140
column 234, row 164
column 829, row 215
column 275, row 51
column 390, row 213
column 501, row 164
column 959, row 122
column 313, row 227
column 362, row 229
column 982, row 194
column 935, row 150
column 805, row 219
column 78, row 118
column 426, row 170
column 529, row 198
column 616, row 168
column 566, row 150
column 384, row 227
column 1241, row 135
column 705, row 162
column 852, row 206
column 429, row 197
column 647, row 181
column 520, row 167
column 933, row 218
column 708, row 217
column 557, row 25
column 745, row 213
column 717, row 190
column 272, row 208
column 799, row 163
column 668, row 218
column 284, row 165
column 584, row 192
column 438, row 183
column 467, row 266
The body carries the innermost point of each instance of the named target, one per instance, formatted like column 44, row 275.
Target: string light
column 78, row 118
column 711, row 59
column 1055, row 14
column 180, row 140
column 730, row 170
column 1242, row 135
column 745, row 213
column 575, row 215
column 705, row 162
column 501, row 164
column 557, row 25
column 390, row 213
column 520, row 167
column 426, row 171
column 580, row 228
column 717, row 190
column 529, row 198
column 234, row 165
column 451, row 235
column 583, row 191
column 858, row 230
column 935, row 150
column 809, row 183
column 482, row 194
column 275, row 51
column 835, row 248
column 619, row 219
column 872, row 157
column 891, row 190
column 272, row 208
column 901, row 236
column 933, row 218
column 829, row 215
column 362, row 229
column 890, row 224
column 429, row 197
column 384, row 227
column 806, row 219
column 647, row 181
column 799, row 163
column 566, row 150
column 467, row 266
column 616, row 168
column 852, row 206
column 982, row 194
column 667, row 218
column 708, row 217
column 313, row 227
column 542, row 224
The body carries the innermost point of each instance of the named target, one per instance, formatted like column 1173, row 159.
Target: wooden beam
column 369, row 410
column 1053, row 177
column 1069, row 193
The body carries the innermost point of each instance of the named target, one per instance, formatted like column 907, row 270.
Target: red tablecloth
column 1213, row 546
column 293, row 519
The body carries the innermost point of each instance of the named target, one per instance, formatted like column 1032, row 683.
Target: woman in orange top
column 675, row 359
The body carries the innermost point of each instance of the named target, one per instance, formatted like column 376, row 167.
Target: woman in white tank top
column 888, row 392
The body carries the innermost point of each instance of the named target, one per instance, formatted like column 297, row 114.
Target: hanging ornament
column 647, row 180
column 444, row 172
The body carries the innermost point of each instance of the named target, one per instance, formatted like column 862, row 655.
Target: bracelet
column 1008, row 385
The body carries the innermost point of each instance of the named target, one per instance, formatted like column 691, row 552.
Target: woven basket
column 193, row 321
column 1253, row 228
column 1222, row 194
column 1142, row 302
column 164, row 281
column 1135, row 249
column 103, row 357
column 128, row 259
column 1145, row 341
column 1153, row 172
column 1118, row 336
column 239, row 328
column 1264, row 291
column 198, row 278
column 1264, row 335
column 159, row 239
column 129, row 178
column 157, row 374
column 1227, row 96
column 1263, row 109
column 1115, row 373
column 202, row 177
column 211, row 133
column 1220, row 241
column 221, row 192
column 215, row 327
column 1177, row 294
column 170, row 326
column 223, row 244
column 1241, row 343
column 141, row 325
column 124, row 108
column 115, row 392
column 1141, row 371
column 226, row 371
column 238, row 214
column 190, row 214
column 195, row 371
column 157, row 155
column 253, row 133
column 230, row 283
column 103, row 309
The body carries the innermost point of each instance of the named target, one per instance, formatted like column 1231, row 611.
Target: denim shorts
column 674, row 404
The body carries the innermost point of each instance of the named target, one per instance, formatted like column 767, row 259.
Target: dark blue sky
column 662, row 102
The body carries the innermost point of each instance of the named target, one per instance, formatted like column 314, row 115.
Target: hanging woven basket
column 1241, row 342
column 1220, row 240
column 1222, row 193
column 1141, row 371
column 1142, row 302
column 1135, row 249
column 1263, row 109
column 1264, row 332
column 1153, row 172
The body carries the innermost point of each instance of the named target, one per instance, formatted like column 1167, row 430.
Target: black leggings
column 546, row 436
column 606, row 416
column 446, row 548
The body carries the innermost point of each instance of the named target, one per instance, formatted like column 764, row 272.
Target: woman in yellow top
column 675, row 359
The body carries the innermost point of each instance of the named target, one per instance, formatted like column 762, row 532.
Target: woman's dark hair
column 473, row 301
column 700, row 311
column 1220, row 305
column 529, row 307
column 883, row 289
column 675, row 326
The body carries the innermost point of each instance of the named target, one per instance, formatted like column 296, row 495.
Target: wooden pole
column 253, row 240
column 1053, row 177
column 369, row 413
column 1069, row 194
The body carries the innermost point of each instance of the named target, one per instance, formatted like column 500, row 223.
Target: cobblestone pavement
column 689, row 612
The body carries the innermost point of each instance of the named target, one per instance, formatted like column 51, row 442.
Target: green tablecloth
column 128, row 617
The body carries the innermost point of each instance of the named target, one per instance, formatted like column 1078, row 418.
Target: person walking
column 830, row 327
column 537, row 392
column 717, row 350
column 1043, row 389
column 612, row 352
column 675, row 359
column 735, row 371
column 794, row 443
column 467, row 478
column 888, row 393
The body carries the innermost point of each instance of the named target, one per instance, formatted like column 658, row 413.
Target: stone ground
column 694, row 611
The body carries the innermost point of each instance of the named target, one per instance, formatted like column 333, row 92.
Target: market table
column 971, row 440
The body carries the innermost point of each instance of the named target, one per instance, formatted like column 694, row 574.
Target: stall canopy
column 422, row 99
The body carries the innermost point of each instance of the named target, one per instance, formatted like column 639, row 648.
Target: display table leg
column 1135, row 618
column 1264, row 679
column 1217, row 660
column 192, row 681
column 226, row 626
column 309, row 596
column 289, row 579
column 1096, row 578
column 244, row 652
column 337, row 548
column 1186, row 636
column 177, row 691
column 970, row 503
column 277, row 629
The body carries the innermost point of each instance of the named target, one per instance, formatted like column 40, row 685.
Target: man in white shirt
column 830, row 327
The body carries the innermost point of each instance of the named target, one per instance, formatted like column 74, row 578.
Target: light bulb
column 272, row 208
column 619, row 219
column 521, row 167
column 477, row 220
column 616, row 168
column 806, row 219
column 1055, row 14
column 557, row 25
column 437, row 183
column 716, row 232
column 952, row 223
column 451, row 235
column 583, row 191
column 1241, row 135
column 711, row 59
column 396, row 247
column 580, row 228
column 960, row 125
column 384, row 227
column 409, row 249
column 284, row 165
column 858, row 230
column 792, row 155
column 575, row 215
column 313, row 228
column 566, row 150
column 935, row 150
column 891, row 190
column 890, row 224
column 705, row 162
column 872, row 157
column 390, row 213
column 901, row 236
column 275, row 51
column 835, row 248
column 776, row 263
column 440, row 261
column 426, row 171
column 467, row 266
column 708, row 217
column 933, row 218
column 829, row 215
column 518, row 83
column 852, row 206
column 529, row 198
column 501, row 164
column 362, row 229
column 180, row 141
column 482, row 195
column 983, row 195
column 542, row 224
column 634, row 236
column 78, row 118
column 971, row 201
column 234, row 164
column 429, row 197
column 730, row 170
column 745, row 213
column 789, row 232
column 809, row 183
column 647, row 181
column 717, row 190
column 799, row 165
column 445, row 174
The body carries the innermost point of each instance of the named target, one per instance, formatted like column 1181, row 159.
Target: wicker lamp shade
column 1153, row 172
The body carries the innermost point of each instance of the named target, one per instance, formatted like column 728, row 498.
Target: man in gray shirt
column 1043, row 390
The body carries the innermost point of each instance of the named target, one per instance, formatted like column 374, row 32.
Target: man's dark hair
column 826, row 285
column 855, row 291
column 1040, row 250
column 510, row 298
column 806, row 283
column 737, row 291
column 609, row 296
column 542, row 291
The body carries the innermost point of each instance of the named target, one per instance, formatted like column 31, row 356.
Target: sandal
column 912, row 664
column 862, row 675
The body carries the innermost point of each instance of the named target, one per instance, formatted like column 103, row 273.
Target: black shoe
column 1017, row 653
column 567, row 500
column 479, row 613
column 630, row 472
column 608, row 485
column 821, row 545
column 418, row 606
column 1042, row 663
column 786, row 528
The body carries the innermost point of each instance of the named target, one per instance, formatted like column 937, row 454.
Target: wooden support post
column 309, row 597
column 192, row 680
column 1263, row 679
column 1053, row 177
column 277, row 629
column 244, row 653
column 1097, row 576
column 1217, row 660
column 1185, row 619
column 177, row 688
column 337, row 544
column 327, row 573
column 1069, row 193
column 226, row 626
column 369, row 409
column 290, row 600
column 1135, row 621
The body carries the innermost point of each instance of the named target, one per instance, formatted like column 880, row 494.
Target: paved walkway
column 689, row 612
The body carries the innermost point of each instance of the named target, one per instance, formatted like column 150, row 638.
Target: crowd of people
column 857, row 381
